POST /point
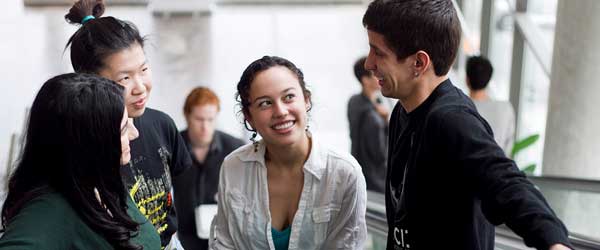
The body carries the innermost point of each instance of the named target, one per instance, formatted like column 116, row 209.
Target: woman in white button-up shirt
column 286, row 182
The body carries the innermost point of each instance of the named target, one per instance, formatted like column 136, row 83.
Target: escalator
column 576, row 202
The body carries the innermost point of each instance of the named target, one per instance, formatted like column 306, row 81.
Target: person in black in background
column 368, row 128
column 197, row 186
column 114, row 49
column 448, row 181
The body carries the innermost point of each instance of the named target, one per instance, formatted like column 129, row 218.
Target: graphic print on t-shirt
column 152, row 195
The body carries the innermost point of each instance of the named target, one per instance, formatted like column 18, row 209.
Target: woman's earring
column 254, row 141
column 307, row 124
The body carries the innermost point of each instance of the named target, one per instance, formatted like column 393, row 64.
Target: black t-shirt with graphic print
column 156, row 155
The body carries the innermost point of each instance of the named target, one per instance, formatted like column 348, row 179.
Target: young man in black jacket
column 448, row 182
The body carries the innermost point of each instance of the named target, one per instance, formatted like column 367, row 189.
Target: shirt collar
column 315, row 164
column 442, row 88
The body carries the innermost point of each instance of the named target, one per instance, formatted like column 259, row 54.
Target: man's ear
column 422, row 62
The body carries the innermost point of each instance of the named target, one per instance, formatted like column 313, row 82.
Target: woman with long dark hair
column 286, row 191
column 114, row 49
column 66, row 191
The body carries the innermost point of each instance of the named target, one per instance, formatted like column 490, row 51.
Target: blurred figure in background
column 114, row 49
column 499, row 114
column 367, row 117
column 67, row 191
column 196, row 188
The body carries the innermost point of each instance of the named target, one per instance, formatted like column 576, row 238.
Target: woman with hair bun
column 66, row 191
column 114, row 49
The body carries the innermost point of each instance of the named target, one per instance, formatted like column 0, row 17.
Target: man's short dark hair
column 412, row 25
column 479, row 72
column 359, row 69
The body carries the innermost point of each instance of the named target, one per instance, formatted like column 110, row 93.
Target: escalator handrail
column 567, row 183
column 376, row 221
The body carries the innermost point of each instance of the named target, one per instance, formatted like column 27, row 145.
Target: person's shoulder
column 341, row 162
column 459, row 118
column 154, row 115
column 183, row 133
column 155, row 120
column 354, row 99
column 49, row 222
column 342, row 168
column 457, row 112
column 506, row 106
column 357, row 103
column 51, row 202
column 453, row 102
column 229, row 140
column 235, row 158
column 497, row 107
column 46, row 213
column 236, row 165
column 375, row 118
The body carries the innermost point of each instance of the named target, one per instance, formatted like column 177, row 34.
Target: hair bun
column 83, row 8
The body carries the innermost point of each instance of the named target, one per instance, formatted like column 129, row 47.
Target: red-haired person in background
column 196, row 188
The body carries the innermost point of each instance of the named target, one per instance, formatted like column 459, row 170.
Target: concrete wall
column 572, row 146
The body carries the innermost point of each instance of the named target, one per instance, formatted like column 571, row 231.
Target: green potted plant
column 522, row 144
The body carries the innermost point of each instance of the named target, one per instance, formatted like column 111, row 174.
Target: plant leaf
column 529, row 169
column 524, row 143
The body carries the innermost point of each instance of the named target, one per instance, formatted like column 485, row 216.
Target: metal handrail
column 505, row 238
column 578, row 241
column 567, row 183
column 376, row 219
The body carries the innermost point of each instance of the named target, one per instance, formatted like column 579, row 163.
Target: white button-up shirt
column 331, row 211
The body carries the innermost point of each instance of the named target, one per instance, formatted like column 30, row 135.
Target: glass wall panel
column 501, row 49
column 533, row 111
column 543, row 13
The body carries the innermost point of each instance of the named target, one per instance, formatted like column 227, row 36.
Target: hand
column 559, row 247
column 382, row 111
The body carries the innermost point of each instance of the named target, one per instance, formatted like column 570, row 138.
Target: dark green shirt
column 49, row 222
